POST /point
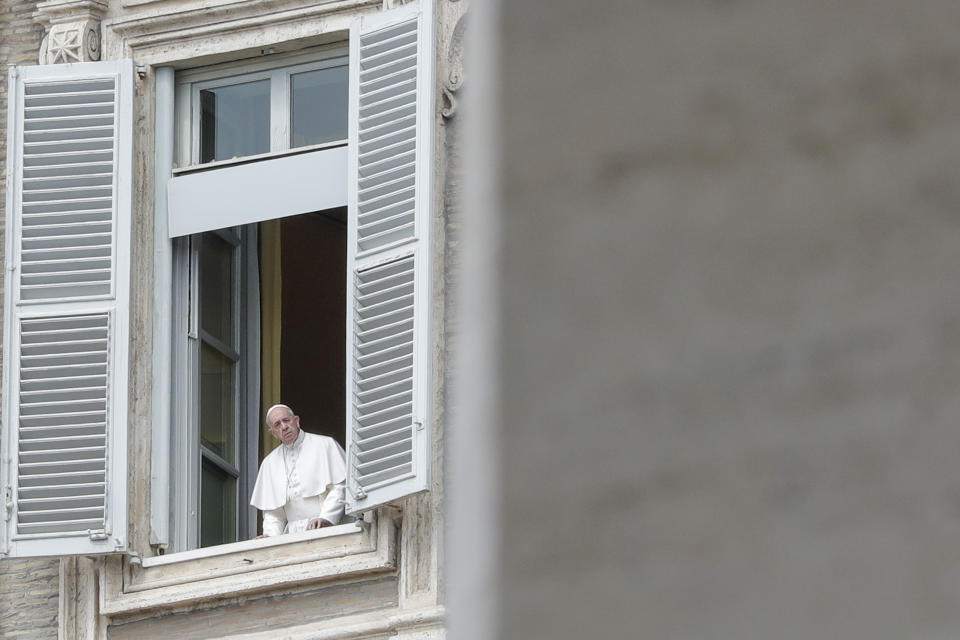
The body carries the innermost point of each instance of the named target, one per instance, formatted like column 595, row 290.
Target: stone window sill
column 354, row 550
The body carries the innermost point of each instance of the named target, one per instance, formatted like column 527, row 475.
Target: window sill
column 248, row 545
column 352, row 550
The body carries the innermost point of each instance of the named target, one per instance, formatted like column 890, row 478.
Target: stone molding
column 421, row 624
column 95, row 592
column 72, row 30
column 126, row 588
column 157, row 35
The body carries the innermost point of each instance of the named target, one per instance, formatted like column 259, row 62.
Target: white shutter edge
column 116, row 306
column 6, row 464
column 420, row 247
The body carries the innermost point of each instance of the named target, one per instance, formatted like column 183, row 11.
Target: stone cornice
column 149, row 33
column 61, row 11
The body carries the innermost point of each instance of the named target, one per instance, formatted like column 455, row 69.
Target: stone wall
column 271, row 614
column 730, row 327
column 28, row 588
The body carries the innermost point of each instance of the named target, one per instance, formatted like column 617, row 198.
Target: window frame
column 190, row 83
column 187, row 450
column 179, row 140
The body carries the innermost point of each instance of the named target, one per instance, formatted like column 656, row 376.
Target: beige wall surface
column 28, row 588
column 731, row 319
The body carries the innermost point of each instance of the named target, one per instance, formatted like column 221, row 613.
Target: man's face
column 284, row 425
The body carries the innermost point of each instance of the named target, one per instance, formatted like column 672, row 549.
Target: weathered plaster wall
column 731, row 319
column 28, row 588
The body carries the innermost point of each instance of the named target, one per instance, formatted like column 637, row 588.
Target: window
column 223, row 198
column 235, row 115
column 264, row 302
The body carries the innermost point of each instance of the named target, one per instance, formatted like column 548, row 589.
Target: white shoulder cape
column 321, row 464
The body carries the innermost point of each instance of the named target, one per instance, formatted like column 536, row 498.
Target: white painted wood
column 388, row 269
column 256, row 191
column 66, row 323
column 185, row 456
column 7, row 469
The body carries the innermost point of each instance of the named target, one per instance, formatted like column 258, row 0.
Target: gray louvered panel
column 383, row 372
column 67, row 193
column 387, row 136
column 62, row 411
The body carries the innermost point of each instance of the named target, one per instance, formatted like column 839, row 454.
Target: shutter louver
column 67, row 197
column 383, row 370
column 391, row 122
column 387, row 136
column 65, row 382
column 62, row 432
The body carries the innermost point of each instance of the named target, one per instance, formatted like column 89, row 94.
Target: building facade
column 213, row 207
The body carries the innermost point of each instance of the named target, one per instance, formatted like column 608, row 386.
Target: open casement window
column 69, row 170
column 388, row 268
column 258, row 224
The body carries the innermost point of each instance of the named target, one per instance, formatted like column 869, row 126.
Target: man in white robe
column 301, row 483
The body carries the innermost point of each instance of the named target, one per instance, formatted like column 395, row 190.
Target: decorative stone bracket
column 451, row 57
column 72, row 30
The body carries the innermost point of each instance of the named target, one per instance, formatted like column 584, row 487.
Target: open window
column 322, row 172
column 263, row 318
column 260, row 306
column 298, row 206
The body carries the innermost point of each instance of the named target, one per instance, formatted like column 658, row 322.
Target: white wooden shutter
column 69, row 169
column 388, row 267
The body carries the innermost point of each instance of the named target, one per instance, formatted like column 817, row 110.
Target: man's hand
column 318, row 523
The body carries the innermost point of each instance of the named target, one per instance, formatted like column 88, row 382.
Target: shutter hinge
column 419, row 425
column 7, row 504
column 97, row 534
column 359, row 494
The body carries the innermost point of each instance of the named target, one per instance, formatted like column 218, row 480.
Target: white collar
column 296, row 443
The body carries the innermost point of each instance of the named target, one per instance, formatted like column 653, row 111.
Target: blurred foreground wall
column 730, row 327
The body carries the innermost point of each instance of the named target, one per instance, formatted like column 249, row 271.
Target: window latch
column 7, row 504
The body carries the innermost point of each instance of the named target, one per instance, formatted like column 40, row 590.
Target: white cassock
column 300, row 481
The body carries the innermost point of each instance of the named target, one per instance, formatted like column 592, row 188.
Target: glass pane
column 318, row 106
column 234, row 121
column 217, row 396
column 216, row 287
column 218, row 505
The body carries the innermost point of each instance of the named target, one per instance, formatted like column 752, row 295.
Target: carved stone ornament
column 451, row 59
column 72, row 30
column 393, row 4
